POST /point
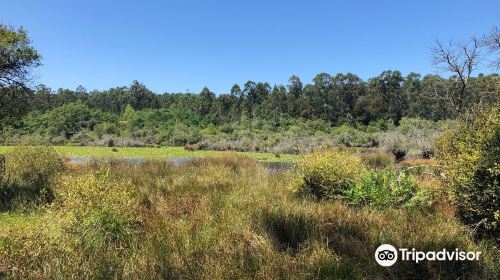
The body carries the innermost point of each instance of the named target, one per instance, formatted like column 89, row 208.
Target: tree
column 295, row 88
column 14, row 102
column 387, row 87
column 141, row 96
column 461, row 59
column 492, row 43
column 17, row 57
column 207, row 100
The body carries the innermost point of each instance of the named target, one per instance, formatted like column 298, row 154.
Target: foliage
column 328, row 173
column 34, row 166
column 377, row 159
column 383, row 188
column 100, row 209
column 218, row 218
column 470, row 158
column 17, row 59
column 343, row 109
column 17, row 56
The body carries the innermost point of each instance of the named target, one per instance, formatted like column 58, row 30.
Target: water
column 270, row 166
column 277, row 166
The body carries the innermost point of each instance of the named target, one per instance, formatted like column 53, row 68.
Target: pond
column 270, row 166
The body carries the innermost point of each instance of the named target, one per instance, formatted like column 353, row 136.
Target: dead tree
column 491, row 42
column 461, row 59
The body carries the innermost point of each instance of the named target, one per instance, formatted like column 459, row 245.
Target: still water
column 270, row 166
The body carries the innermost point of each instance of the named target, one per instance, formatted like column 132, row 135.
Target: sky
column 185, row 45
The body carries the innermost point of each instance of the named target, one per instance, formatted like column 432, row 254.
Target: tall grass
column 223, row 217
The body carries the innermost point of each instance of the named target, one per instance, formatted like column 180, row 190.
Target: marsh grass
column 222, row 217
column 152, row 153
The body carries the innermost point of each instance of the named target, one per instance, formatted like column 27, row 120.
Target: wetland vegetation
column 412, row 161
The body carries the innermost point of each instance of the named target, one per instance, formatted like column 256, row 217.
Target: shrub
column 377, row 160
column 2, row 164
column 427, row 153
column 102, row 211
column 34, row 166
column 470, row 158
column 351, row 137
column 191, row 147
column 328, row 173
column 397, row 144
column 382, row 189
column 6, row 193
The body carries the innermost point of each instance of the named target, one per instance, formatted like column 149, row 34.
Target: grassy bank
column 152, row 153
column 222, row 217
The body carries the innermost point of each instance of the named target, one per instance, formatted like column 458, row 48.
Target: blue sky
column 173, row 46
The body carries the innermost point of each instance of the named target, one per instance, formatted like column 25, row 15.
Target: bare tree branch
column 461, row 59
column 492, row 43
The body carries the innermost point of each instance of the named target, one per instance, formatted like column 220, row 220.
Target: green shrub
column 34, row 166
column 328, row 173
column 102, row 210
column 382, row 189
column 351, row 137
column 471, row 167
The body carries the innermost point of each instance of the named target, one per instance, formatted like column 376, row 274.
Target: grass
column 221, row 217
column 153, row 153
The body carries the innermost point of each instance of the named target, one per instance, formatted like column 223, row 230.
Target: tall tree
column 142, row 97
column 295, row 88
column 17, row 57
column 387, row 87
column 461, row 59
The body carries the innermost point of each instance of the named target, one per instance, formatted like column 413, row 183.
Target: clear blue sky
column 186, row 44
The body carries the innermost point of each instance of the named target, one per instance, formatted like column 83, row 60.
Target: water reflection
column 270, row 166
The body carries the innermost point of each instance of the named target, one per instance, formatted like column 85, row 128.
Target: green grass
column 222, row 217
column 153, row 153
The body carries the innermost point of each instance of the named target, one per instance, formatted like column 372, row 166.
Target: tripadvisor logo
column 387, row 255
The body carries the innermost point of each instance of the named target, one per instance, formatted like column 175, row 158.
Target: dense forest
column 144, row 117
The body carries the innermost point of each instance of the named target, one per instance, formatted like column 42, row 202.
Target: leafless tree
column 461, row 59
column 491, row 42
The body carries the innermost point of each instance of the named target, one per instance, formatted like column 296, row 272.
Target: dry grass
column 219, row 218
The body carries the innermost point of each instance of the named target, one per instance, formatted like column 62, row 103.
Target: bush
column 470, row 158
column 103, row 211
column 377, row 160
column 2, row 164
column 397, row 144
column 34, row 166
column 383, row 189
column 351, row 137
column 191, row 147
column 328, row 173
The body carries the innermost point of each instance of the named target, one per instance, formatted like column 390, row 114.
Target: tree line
column 338, row 99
